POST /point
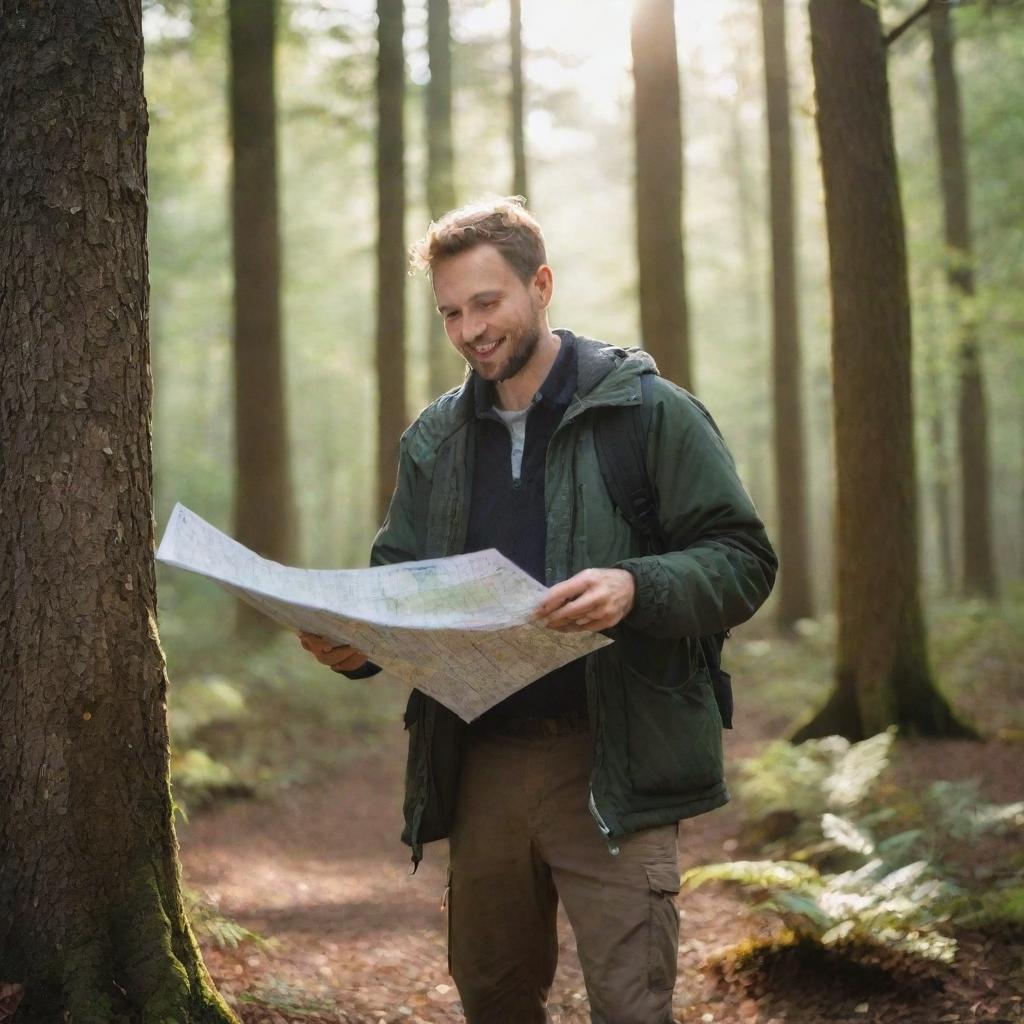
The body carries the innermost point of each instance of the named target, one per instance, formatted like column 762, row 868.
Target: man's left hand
column 592, row 600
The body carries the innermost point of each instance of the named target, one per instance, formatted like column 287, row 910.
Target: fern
column 872, row 905
column 207, row 921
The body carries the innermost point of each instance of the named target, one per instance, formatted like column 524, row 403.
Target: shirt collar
column 557, row 390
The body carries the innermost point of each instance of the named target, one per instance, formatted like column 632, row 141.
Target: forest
column 809, row 212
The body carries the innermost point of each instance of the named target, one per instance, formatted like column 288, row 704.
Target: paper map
column 456, row 628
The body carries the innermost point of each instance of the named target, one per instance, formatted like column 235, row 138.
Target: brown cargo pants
column 523, row 839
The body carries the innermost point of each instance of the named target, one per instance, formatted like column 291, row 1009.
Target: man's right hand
column 342, row 659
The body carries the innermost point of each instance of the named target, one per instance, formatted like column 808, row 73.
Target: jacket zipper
column 613, row 847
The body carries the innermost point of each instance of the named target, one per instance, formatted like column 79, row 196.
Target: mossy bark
column 91, row 916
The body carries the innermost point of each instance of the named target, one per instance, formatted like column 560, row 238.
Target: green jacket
column 655, row 724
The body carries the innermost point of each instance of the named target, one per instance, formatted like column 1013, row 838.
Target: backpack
column 620, row 434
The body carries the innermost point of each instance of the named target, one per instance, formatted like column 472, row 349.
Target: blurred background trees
column 754, row 271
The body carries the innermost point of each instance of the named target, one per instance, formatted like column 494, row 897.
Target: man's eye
column 451, row 316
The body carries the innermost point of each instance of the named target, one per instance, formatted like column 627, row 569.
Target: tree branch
column 902, row 27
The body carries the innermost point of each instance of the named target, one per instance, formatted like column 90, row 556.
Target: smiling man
column 571, row 789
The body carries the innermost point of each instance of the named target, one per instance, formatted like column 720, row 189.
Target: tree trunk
column 795, row 601
column 979, row 576
column 91, row 915
column 882, row 676
column 391, row 268
column 664, row 317
column 519, row 186
column 264, row 513
column 445, row 367
column 940, row 471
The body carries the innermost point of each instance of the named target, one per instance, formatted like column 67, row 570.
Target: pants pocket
column 663, row 936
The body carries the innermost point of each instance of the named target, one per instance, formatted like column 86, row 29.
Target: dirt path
column 361, row 939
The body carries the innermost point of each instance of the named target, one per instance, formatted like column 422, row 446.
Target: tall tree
column 264, row 514
column 91, row 915
column 391, row 417
column 882, row 675
column 795, row 600
column 658, row 129
column 443, row 362
column 979, row 575
column 519, row 186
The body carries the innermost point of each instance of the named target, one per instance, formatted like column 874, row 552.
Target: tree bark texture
column 445, row 367
column 391, row 269
column 91, row 915
column 979, row 575
column 264, row 506
column 664, row 317
column 519, row 181
column 795, row 601
column 883, row 675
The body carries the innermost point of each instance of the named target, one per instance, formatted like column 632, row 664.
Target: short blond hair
column 503, row 222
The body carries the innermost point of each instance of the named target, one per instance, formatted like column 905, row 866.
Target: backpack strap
column 620, row 436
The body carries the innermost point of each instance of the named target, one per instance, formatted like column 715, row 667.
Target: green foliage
column 250, row 721
column 872, row 906
column 850, row 872
column 813, row 777
column 208, row 922
column 958, row 810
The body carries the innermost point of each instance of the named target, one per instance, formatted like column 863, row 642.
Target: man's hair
column 502, row 222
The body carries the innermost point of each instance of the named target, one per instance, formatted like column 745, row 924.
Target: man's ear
column 544, row 282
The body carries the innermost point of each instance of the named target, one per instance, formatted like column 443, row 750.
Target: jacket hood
column 604, row 369
column 606, row 375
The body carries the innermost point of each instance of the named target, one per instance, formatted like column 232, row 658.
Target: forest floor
column 346, row 934
column 355, row 937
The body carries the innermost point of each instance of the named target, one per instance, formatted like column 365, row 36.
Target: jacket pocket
column 673, row 734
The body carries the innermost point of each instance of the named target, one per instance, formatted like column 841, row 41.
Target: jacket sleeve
column 719, row 567
column 396, row 539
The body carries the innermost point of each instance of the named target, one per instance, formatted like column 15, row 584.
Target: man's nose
column 473, row 329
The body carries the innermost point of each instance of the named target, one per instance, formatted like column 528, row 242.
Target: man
column 573, row 787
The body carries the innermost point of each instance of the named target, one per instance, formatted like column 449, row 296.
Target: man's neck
column 517, row 392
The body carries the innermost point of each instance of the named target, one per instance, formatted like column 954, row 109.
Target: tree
column 264, row 515
column 391, row 417
column 664, row 317
column 795, row 600
column 979, row 576
column 91, row 914
column 882, row 675
column 443, row 363
column 519, row 186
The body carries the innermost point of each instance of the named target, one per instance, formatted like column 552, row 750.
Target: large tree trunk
column 91, row 916
column 518, row 100
column 883, row 676
column 444, row 365
column 264, row 515
column 979, row 576
column 795, row 601
column 391, row 267
column 664, row 319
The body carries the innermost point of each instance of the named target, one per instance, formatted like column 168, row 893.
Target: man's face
column 491, row 317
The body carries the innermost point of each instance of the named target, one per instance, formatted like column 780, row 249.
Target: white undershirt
column 515, row 421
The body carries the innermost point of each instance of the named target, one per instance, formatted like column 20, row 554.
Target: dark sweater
column 508, row 514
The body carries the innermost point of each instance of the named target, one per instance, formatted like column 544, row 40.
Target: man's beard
column 528, row 342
